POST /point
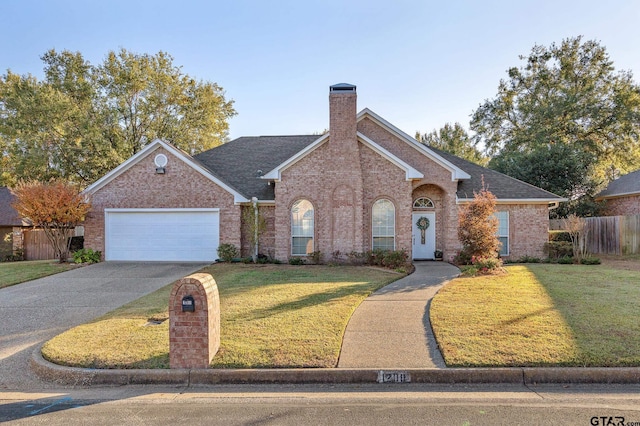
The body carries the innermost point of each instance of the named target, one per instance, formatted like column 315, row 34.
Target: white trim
column 621, row 195
column 516, row 200
column 411, row 173
column 313, row 231
column 159, row 209
column 456, row 172
column 275, row 174
column 237, row 197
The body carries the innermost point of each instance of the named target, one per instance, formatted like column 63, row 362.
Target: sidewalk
column 391, row 328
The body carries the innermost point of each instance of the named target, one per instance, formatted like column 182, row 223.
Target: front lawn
column 541, row 315
column 271, row 316
column 17, row 272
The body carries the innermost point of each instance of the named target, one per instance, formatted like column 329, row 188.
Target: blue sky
column 419, row 64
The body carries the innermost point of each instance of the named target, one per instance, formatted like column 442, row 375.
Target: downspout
column 254, row 200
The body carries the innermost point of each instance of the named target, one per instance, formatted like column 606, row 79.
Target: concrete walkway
column 391, row 328
column 35, row 311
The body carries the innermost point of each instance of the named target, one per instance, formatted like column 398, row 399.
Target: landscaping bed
column 541, row 315
column 271, row 316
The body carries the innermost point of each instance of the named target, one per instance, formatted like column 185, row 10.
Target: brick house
column 365, row 184
column 622, row 196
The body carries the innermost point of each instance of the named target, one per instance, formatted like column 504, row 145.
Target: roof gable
column 456, row 172
column 181, row 155
column 628, row 184
column 411, row 173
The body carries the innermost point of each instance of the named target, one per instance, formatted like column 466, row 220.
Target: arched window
column 301, row 228
column 383, row 226
column 423, row 203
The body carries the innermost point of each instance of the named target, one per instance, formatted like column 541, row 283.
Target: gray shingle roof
column 502, row 186
column 627, row 184
column 238, row 162
column 8, row 215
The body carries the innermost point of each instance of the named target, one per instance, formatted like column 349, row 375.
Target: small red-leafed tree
column 56, row 207
column 478, row 226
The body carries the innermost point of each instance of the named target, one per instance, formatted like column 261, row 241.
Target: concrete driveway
column 33, row 312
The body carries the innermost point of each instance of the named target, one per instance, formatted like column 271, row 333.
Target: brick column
column 194, row 337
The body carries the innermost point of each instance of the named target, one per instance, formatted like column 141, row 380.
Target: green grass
column 12, row 273
column 541, row 315
column 271, row 316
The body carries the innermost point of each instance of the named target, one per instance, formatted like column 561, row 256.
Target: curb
column 184, row 377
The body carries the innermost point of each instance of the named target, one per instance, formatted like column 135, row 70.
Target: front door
column 424, row 235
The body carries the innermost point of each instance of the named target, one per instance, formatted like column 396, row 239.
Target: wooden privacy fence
column 36, row 245
column 613, row 234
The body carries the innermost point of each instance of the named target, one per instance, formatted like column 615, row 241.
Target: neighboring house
column 365, row 184
column 622, row 196
column 10, row 225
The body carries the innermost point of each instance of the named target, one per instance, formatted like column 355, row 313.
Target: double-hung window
column 383, row 225
column 302, row 228
column 503, row 232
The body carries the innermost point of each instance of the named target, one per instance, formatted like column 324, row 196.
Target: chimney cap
column 342, row 87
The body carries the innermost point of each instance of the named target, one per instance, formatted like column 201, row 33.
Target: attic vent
column 259, row 173
column 342, row 87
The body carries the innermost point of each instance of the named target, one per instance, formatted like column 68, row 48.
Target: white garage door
column 162, row 234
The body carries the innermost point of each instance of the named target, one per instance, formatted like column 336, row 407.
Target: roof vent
column 342, row 87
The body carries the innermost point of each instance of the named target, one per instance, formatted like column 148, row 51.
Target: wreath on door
column 422, row 224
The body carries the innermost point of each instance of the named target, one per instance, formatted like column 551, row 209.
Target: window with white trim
column 301, row 228
column 383, row 226
column 423, row 203
column 503, row 232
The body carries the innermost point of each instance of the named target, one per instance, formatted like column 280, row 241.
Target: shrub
column 558, row 249
column 356, row 258
column 478, row 225
column 528, row 259
column 462, row 258
column 315, row 257
column 559, row 236
column 395, row 259
column 374, row 257
column 87, row 256
column 565, row 260
column 227, row 252
column 486, row 265
column 296, row 261
column 590, row 261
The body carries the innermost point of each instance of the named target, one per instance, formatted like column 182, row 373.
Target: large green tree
column 82, row 120
column 565, row 94
column 455, row 140
column 558, row 168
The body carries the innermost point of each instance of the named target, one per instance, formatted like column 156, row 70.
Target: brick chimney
column 342, row 118
column 344, row 172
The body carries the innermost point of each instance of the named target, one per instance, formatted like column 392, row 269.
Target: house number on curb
column 394, row 377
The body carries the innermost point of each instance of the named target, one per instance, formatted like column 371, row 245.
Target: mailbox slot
column 188, row 304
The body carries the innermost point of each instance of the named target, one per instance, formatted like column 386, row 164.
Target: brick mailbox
column 194, row 322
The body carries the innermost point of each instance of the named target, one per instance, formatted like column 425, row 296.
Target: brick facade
column 528, row 229
column 623, row 206
column 342, row 178
column 179, row 187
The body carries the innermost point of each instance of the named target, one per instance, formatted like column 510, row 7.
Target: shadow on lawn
column 601, row 307
column 308, row 301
